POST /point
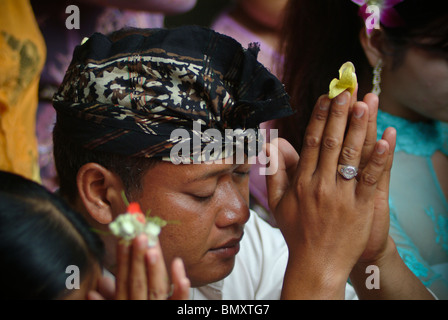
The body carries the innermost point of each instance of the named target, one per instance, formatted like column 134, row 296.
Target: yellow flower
column 347, row 80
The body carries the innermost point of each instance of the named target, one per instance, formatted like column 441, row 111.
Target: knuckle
column 320, row 116
column 301, row 187
column 311, row 141
column 358, row 125
column 157, row 295
column 378, row 161
column 330, row 143
column 349, row 154
column 321, row 191
column 369, row 179
column 338, row 111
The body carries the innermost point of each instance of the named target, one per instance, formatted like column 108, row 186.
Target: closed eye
column 202, row 198
column 242, row 173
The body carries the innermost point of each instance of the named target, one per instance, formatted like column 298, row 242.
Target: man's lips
column 228, row 248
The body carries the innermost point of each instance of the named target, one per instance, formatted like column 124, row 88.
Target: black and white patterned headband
column 128, row 92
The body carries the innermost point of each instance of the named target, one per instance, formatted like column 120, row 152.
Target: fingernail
column 324, row 104
column 342, row 98
column 358, row 112
column 142, row 242
column 152, row 257
column 381, row 148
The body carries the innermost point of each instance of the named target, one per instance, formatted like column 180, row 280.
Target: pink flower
column 389, row 17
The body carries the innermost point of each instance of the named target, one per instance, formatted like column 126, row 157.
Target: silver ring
column 348, row 172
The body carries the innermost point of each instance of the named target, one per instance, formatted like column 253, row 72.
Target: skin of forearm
column 313, row 279
column 396, row 281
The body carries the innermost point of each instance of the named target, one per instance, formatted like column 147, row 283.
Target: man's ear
column 100, row 192
column 370, row 44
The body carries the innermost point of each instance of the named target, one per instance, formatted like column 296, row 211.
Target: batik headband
column 388, row 15
column 128, row 96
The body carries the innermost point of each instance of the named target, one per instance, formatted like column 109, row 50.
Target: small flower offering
column 133, row 223
column 347, row 80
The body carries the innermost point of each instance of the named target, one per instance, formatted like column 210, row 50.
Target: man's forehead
column 189, row 173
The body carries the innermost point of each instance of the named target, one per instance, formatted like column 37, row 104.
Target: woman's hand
column 379, row 240
column 142, row 275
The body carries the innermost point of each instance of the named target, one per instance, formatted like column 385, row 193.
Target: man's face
column 210, row 203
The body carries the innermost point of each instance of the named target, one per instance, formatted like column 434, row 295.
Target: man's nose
column 234, row 206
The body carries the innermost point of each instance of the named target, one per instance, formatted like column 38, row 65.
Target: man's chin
column 210, row 275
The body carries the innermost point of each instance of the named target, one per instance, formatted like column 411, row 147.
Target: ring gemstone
column 348, row 172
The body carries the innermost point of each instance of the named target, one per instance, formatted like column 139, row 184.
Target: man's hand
column 325, row 218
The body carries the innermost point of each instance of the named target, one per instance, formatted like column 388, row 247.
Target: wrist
column 380, row 259
column 367, row 273
column 313, row 279
column 393, row 279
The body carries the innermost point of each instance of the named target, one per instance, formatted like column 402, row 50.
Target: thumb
column 390, row 135
column 285, row 159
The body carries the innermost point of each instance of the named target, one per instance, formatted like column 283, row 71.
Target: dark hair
column 40, row 236
column 69, row 157
column 320, row 35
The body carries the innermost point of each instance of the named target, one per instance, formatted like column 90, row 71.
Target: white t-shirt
column 259, row 267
